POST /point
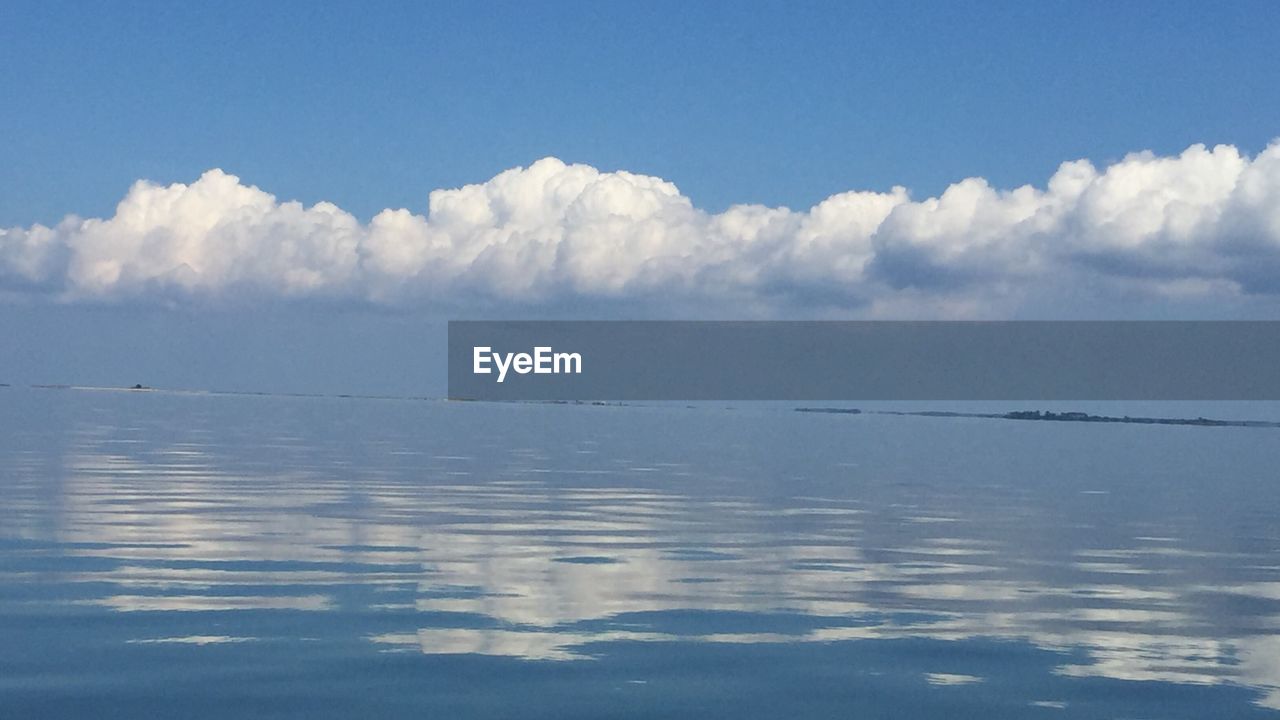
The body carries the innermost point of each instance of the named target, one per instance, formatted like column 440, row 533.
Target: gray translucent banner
column 652, row 360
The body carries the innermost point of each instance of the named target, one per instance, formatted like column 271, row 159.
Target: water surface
column 203, row 556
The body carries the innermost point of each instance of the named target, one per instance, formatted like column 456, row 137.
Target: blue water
column 188, row 556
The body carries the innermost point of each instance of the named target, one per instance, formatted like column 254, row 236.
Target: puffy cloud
column 1205, row 223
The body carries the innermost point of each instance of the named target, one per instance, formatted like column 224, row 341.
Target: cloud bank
column 1202, row 224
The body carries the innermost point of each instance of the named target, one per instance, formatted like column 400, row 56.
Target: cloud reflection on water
column 558, row 552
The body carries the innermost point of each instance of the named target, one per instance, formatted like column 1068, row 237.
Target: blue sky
column 371, row 105
column 754, row 160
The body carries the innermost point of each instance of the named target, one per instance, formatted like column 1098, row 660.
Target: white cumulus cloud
column 1204, row 223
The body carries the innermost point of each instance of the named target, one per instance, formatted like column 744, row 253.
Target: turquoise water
column 203, row 556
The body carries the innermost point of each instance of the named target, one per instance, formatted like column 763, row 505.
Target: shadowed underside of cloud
column 1203, row 224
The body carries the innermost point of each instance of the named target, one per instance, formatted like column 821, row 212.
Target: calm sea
column 198, row 556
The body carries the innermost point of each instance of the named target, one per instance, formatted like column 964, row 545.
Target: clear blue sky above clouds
column 371, row 105
column 746, row 108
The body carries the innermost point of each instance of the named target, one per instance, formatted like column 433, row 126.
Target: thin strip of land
column 1048, row 416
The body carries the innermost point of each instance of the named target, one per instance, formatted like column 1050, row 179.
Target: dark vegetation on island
column 1045, row 415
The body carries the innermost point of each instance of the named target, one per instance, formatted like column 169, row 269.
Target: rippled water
column 204, row 556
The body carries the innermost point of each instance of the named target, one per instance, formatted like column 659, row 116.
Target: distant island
column 1044, row 415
